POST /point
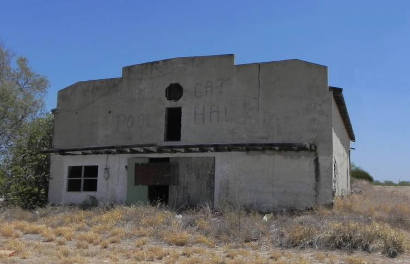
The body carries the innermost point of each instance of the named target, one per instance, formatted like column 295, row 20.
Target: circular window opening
column 174, row 92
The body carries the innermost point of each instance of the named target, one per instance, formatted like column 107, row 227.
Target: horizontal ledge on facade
column 197, row 148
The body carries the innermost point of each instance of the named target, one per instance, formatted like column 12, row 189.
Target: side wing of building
column 342, row 135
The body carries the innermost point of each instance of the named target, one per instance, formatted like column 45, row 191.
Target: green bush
column 404, row 183
column 391, row 183
column 26, row 170
column 360, row 174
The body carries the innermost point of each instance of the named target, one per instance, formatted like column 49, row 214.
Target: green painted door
column 136, row 193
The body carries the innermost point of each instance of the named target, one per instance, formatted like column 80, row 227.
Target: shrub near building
column 360, row 174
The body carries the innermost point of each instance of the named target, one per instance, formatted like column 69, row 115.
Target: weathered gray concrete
column 56, row 191
column 259, row 180
column 341, row 153
column 266, row 181
column 113, row 189
column 285, row 101
column 196, row 182
column 281, row 102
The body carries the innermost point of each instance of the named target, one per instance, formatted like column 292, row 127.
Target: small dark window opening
column 174, row 92
column 82, row 178
column 159, row 160
column 74, row 185
column 173, row 124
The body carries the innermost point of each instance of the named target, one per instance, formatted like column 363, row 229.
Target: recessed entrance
column 178, row 182
column 158, row 194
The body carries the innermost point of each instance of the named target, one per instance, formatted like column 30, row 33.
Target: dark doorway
column 158, row 194
column 173, row 124
column 158, row 160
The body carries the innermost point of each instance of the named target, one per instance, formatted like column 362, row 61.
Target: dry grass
column 141, row 242
column 176, row 238
column 64, row 252
column 355, row 260
column 348, row 236
column 89, row 237
column 204, row 240
column 114, row 239
column 378, row 203
column 104, row 244
column 16, row 245
column 359, row 224
column 81, row 245
column 66, row 232
column 48, row 235
column 7, row 230
column 29, row 228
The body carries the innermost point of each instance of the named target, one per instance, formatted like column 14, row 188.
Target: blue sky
column 365, row 44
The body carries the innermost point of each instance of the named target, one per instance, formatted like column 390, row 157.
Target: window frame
column 81, row 178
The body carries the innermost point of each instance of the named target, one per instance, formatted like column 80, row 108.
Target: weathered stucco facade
column 264, row 135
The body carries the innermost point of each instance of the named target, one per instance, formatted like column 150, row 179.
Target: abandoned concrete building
column 202, row 130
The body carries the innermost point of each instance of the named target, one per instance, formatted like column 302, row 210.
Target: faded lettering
column 163, row 68
column 199, row 114
column 210, row 88
column 211, row 113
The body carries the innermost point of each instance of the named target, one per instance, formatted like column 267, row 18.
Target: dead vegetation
column 358, row 229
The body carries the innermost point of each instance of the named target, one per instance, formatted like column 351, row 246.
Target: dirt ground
column 35, row 250
column 366, row 227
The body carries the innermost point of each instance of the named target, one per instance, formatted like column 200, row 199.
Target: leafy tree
column 358, row 173
column 24, row 130
column 21, row 97
column 26, row 168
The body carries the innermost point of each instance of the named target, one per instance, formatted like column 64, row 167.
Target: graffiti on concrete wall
column 210, row 113
column 125, row 122
column 210, row 87
column 160, row 69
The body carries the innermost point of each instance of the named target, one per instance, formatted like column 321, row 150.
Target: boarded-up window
column 160, row 173
column 82, row 178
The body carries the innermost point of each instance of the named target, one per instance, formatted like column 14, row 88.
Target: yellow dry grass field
column 370, row 226
column 393, row 190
